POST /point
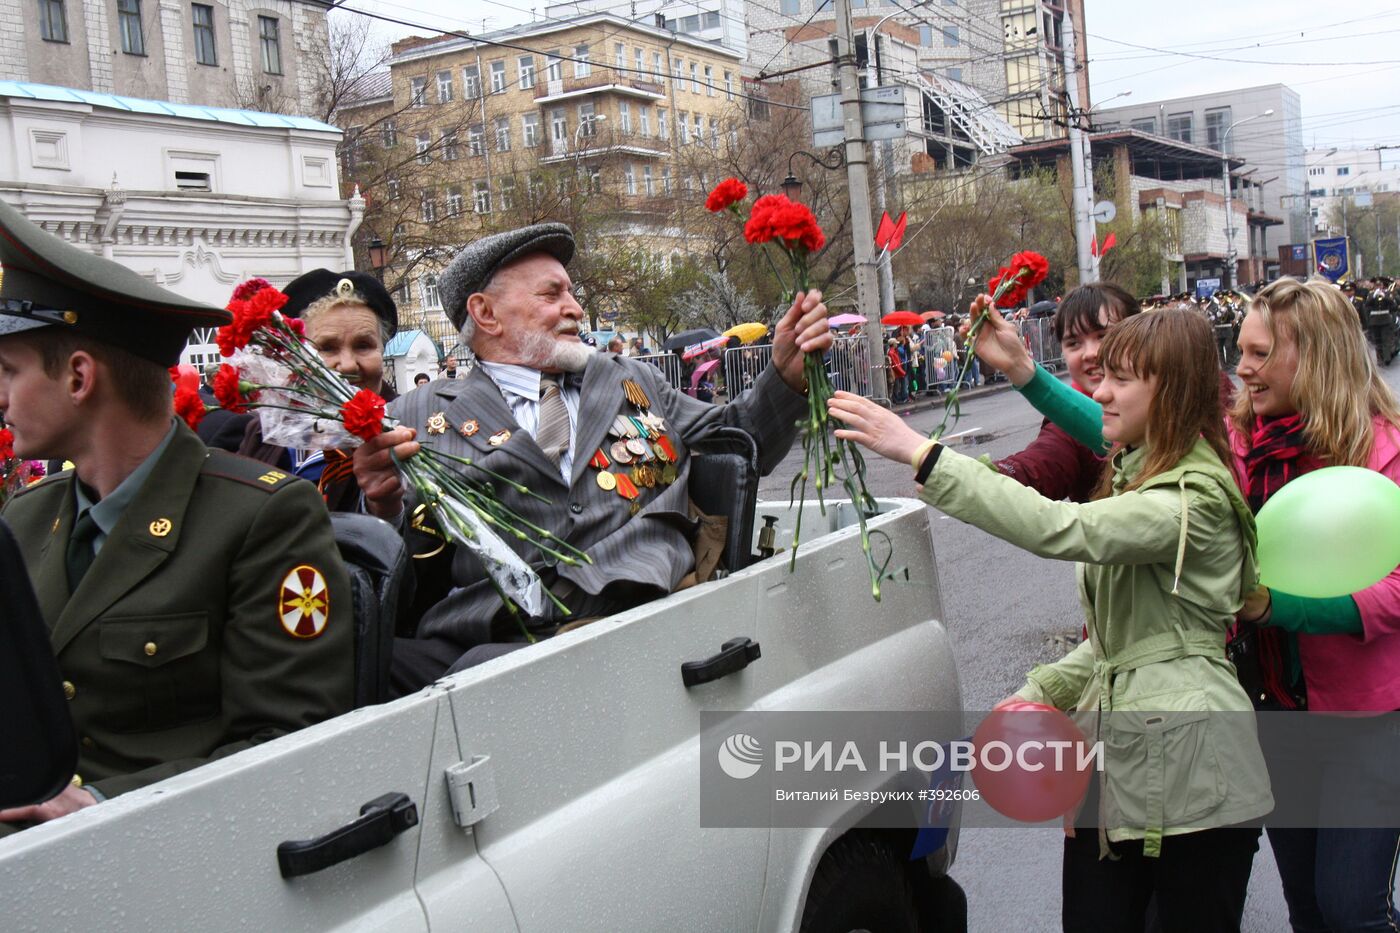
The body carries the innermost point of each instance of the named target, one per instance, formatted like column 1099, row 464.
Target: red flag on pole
column 1094, row 246
column 1108, row 243
column 897, row 237
column 882, row 235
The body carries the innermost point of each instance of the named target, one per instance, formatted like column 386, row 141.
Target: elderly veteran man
column 195, row 600
column 577, row 427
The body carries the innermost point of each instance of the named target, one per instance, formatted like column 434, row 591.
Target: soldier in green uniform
column 195, row 600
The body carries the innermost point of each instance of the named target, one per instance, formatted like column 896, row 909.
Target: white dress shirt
column 520, row 386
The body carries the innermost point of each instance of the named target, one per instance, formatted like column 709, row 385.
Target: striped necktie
column 553, row 431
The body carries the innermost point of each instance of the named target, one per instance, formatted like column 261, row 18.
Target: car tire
column 860, row 885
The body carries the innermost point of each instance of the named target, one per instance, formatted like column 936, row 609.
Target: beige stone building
column 588, row 120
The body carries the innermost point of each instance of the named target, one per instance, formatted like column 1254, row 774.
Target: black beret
column 475, row 264
column 46, row 281
column 310, row 287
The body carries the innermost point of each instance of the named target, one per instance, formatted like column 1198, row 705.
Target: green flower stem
column 952, row 408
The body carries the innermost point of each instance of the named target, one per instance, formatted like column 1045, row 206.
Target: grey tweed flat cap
column 471, row 268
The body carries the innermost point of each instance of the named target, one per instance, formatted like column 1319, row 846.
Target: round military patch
column 304, row 603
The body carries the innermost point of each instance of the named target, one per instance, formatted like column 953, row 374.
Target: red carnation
column 1036, row 265
column 229, row 390
column 7, row 444
column 249, row 315
column 363, row 415
column 190, row 406
column 297, row 325
column 726, row 194
column 250, row 288
column 775, row 217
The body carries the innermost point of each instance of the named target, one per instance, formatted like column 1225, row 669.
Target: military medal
column 664, row 442
column 636, row 447
column 606, row 481
column 620, row 452
column 600, row 460
column 437, row 423
column 469, row 427
column 499, row 438
column 625, row 487
column 635, row 394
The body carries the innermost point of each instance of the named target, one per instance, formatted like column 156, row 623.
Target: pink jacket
column 1356, row 672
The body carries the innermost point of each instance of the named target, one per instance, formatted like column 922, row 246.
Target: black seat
column 724, row 481
column 377, row 561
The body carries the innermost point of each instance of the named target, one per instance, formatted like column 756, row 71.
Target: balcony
column 548, row 92
column 605, row 140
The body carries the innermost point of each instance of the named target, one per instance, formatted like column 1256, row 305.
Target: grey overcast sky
column 1343, row 58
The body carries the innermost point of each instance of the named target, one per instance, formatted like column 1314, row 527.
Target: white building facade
column 194, row 198
column 1348, row 177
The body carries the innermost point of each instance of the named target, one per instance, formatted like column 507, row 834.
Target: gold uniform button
column 87, row 742
column 77, row 780
column 150, row 649
column 69, row 691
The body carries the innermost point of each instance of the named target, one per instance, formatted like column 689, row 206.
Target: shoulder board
column 224, row 465
column 52, row 479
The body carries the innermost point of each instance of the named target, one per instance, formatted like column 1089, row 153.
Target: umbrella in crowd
column 688, row 337
column 701, row 370
column 841, row 320
column 931, row 315
column 747, row 333
column 901, row 319
column 699, row 349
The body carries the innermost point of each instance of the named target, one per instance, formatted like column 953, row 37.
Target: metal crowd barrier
column 937, row 341
column 1039, row 335
column 742, row 365
column 668, row 363
column 849, row 365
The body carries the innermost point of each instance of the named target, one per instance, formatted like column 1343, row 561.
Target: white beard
column 546, row 351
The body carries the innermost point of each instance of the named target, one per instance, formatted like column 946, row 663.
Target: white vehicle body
column 576, row 766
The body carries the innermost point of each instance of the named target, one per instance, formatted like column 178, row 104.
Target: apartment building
column 1346, row 176
column 482, row 134
column 264, row 55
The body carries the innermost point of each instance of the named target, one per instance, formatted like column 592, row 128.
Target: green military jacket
column 1162, row 571
column 216, row 615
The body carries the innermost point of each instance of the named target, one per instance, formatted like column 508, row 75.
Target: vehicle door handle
column 380, row 820
column 734, row 655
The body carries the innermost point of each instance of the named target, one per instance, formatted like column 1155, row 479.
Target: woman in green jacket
column 1166, row 557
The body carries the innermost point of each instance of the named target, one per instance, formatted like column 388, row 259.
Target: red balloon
column 187, row 377
column 1019, row 772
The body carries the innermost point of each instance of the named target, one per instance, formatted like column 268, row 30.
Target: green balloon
column 1331, row 532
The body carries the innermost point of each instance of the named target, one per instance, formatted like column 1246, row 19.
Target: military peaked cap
column 310, row 287
column 48, row 282
column 475, row 264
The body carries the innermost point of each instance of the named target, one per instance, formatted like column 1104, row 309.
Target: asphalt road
column 1008, row 611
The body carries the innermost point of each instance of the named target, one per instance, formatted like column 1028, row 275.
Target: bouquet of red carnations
column 15, row 473
column 304, row 403
column 792, row 228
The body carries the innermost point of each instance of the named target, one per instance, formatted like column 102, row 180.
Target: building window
column 559, row 129
column 658, row 68
column 695, row 77
column 1344, row 170
column 950, row 37
column 454, row 202
column 498, row 77
column 665, row 179
column 555, row 68
column 476, row 139
column 624, row 116
column 1144, row 125
column 729, row 85
column 955, row 73
column 471, row 82
column 427, row 207
column 620, row 57
column 710, row 80
column 129, row 23
column 527, row 71
column 639, row 59
column 648, row 184
column 790, row 7
column 507, row 192
column 714, row 133
column 205, row 51
column 421, row 145
column 644, row 119
column 699, row 134
column 481, row 197
column 582, row 66
column 530, row 128
column 663, row 125
column 392, row 188
column 417, row 91
column 1217, row 121
column 535, row 186
column 503, row 134
column 676, row 78
column 1179, row 127
column 449, row 145
column 431, row 299
column 1319, row 170
column 682, row 128
column 629, row 178
column 587, row 120
column 270, row 45
column 391, row 134
column 53, row 21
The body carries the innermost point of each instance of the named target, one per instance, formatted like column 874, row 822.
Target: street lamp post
column 792, row 185
column 378, row 257
column 1229, row 277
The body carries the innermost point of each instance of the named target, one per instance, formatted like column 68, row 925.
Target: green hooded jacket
column 1162, row 571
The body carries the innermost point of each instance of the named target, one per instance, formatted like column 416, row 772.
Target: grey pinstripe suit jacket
column 635, row 557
